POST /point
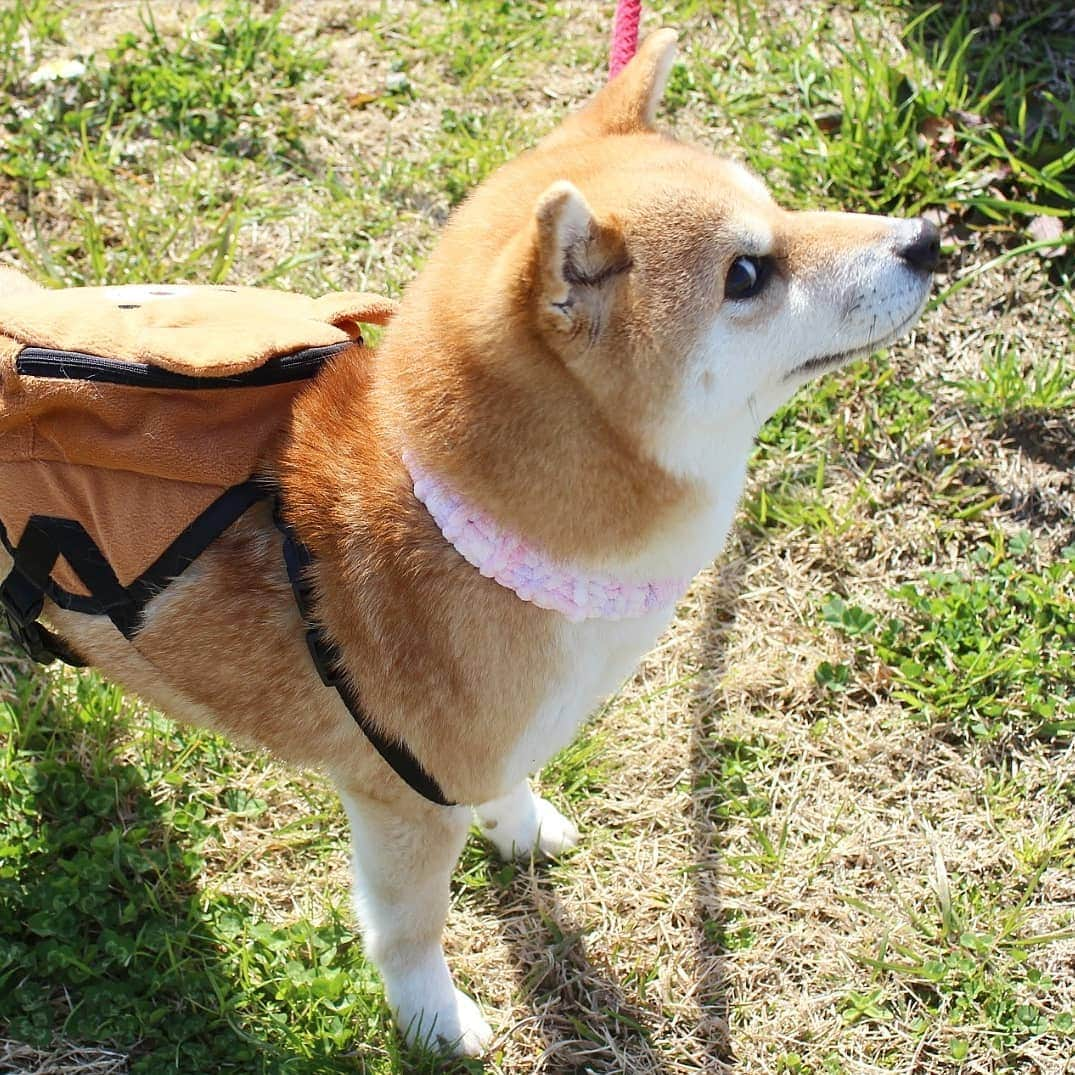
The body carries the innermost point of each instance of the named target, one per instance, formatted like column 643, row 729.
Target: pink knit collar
column 519, row 566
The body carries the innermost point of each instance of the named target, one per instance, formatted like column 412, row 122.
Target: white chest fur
column 596, row 656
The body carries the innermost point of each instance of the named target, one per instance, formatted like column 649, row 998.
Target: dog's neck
column 518, row 565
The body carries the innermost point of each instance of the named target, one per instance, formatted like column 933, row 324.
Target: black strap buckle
column 22, row 599
column 31, row 639
column 22, row 603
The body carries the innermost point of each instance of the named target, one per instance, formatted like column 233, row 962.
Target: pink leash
column 624, row 35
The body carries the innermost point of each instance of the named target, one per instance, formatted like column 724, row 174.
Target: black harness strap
column 326, row 657
column 22, row 600
column 51, row 537
column 196, row 538
column 46, row 538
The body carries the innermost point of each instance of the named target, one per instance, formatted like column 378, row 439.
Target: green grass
column 1008, row 385
column 231, row 146
column 212, row 87
column 107, row 822
column 986, row 650
column 898, row 126
column 970, row 961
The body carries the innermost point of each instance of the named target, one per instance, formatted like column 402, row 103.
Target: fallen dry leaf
column 938, row 214
column 937, row 130
column 360, row 100
column 968, row 119
column 1045, row 228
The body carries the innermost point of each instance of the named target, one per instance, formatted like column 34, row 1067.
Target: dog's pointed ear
column 577, row 260
column 628, row 104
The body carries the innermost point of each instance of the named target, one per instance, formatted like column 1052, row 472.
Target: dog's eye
column 746, row 277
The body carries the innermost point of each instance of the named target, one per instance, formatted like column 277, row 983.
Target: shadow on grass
column 1042, row 501
column 588, row 1020
column 1046, row 436
column 106, row 937
column 712, row 741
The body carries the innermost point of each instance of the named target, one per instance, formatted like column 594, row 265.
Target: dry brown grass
column 64, row 1060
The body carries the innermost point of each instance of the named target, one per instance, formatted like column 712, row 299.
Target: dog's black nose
column 923, row 248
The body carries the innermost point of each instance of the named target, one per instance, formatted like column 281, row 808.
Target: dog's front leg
column 402, row 867
column 521, row 823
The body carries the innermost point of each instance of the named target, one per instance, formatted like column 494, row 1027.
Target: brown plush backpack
column 133, row 421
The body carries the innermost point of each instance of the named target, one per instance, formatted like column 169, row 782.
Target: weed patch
column 215, row 86
column 1010, row 383
column 988, row 651
column 965, row 963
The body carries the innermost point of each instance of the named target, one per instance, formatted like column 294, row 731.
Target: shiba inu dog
column 503, row 508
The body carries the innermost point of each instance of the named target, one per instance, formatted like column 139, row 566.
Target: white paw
column 555, row 833
column 475, row 1033
column 456, row 1028
column 539, row 829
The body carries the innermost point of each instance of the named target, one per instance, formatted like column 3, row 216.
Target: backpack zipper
column 77, row 366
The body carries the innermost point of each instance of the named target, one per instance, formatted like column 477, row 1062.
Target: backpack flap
column 192, row 330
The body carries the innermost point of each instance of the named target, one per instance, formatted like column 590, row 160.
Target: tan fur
column 533, row 365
